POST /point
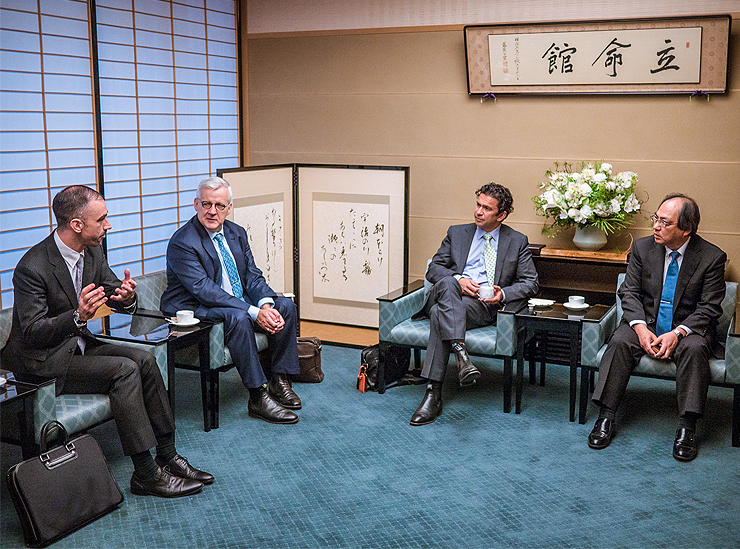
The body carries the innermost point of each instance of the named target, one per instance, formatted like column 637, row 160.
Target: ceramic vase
column 589, row 238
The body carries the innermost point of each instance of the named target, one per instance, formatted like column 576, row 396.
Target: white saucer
column 576, row 307
column 536, row 302
column 174, row 322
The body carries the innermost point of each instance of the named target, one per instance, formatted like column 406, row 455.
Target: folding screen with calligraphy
column 336, row 236
column 673, row 55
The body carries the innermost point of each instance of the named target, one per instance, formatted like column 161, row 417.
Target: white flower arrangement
column 589, row 197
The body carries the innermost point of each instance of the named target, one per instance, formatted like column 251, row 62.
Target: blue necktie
column 236, row 285
column 665, row 314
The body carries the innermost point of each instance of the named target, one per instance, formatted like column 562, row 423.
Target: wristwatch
column 78, row 322
column 678, row 333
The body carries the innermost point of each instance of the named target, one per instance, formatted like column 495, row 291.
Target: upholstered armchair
column 397, row 328
column 150, row 288
column 75, row 412
column 725, row 372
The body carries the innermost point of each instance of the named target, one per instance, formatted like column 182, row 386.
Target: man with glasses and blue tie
column 671, row 297
column 211, row 271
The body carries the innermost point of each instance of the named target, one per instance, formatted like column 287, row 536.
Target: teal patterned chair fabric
column 149, row 288
column 75, row 412
column 724, row 372
column 395, row 327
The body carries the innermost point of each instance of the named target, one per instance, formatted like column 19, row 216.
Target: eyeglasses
column 208, row 205
column 665, row 224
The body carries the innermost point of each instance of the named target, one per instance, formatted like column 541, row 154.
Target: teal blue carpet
column 353, row 473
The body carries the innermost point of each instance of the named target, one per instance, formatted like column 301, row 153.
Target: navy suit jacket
column 700, row 287
column 515, row 271
column 194, row 271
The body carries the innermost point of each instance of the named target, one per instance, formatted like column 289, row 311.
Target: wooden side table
column 567, row 272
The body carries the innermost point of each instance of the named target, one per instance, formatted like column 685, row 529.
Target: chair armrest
column 396, row 309
column 159, row 352
column 44, row 406
column 506, row 341
column 732, row 353
column 595, row 334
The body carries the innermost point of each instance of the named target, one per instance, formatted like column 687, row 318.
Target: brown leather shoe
column 684, row 447
column 281, row 390
column 165, row 485
column 467, row 373
column 266, row 409
column 180, row 467
column 430, row 407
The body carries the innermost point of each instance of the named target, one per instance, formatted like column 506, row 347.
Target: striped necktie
column 77, row 281
column 489, row 254
column 236, row 285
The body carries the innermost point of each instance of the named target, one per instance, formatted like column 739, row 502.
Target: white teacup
column 185, row 317
column 576, row 300
column 485, row 292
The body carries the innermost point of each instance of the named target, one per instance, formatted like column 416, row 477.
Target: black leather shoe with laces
column 165, row 485
column 180, row 467
column 265, row 408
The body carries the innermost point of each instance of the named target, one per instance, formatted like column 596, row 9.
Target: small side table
column 558, row 319
column 147, row 327
column 16, row 402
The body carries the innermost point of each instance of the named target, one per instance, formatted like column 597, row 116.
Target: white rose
column 614, row 205
column 599, row 177
column 550, row 198
column 585, row 189
column 606, row 168
column 573, row 213
column 611, row 185
column 586, row 212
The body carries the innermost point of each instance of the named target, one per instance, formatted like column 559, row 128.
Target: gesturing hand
column 127, row 291
column 91, row 298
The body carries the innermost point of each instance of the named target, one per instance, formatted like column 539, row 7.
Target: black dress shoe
column 684, row 447
column 266, row 409
column 602, row 433
column 430, row 407
column 165, row 485
column 180, row 467
column 280, row 389
column 467, row 373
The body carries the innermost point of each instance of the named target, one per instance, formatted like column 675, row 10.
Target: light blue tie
column 665, row 313
column 236, row 285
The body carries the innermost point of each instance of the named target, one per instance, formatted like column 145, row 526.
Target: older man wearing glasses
column 671, row 298
column 211, row 270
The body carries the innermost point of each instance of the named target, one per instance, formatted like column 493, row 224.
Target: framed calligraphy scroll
column 353, row 240
column 335, row 236
column 668, row 55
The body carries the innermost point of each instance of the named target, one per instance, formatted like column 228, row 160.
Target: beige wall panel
column 400, row 99
column 420, row 62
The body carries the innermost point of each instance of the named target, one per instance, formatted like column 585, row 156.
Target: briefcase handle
column 48, row 433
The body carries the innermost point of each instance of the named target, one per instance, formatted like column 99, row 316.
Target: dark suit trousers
column 132, row 380
column 624, row 352
column 450, row 314
column 239, row 331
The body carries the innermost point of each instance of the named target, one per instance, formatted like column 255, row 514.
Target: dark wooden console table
column 567, row 272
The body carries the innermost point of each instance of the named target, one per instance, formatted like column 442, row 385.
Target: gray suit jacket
column 44, row 335
column 515, row 271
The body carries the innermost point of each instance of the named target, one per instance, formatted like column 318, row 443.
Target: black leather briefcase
column 62, row 489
